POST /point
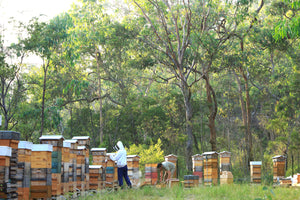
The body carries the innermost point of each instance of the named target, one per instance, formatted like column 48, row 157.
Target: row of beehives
column 55, row 167
column 211, row 167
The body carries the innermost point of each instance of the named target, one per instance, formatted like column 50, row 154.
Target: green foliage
column 148, row 154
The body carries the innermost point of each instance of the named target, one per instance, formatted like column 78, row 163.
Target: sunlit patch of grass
column 224, row 192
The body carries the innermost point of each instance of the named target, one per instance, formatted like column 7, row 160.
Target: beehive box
column 96, row 182
column 83, row 141
column 279, row 163
column 41, row 176
column 65, row 166
column 73, row 166
column 198, row 166
column 225, row 161
column 133, row 169
column 11, row 139
column 24, row 168
column 173, row 159
column 111, row 173
column 99, row 156
column 210, row 168
column 5, row 154
column 255, row 171
column 191, row 181
column 80, row 170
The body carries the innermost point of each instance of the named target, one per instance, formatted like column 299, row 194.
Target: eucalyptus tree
column 45, row 40
column 12, row 84
column 187, row 39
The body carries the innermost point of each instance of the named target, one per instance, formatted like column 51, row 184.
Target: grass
column 224, row 192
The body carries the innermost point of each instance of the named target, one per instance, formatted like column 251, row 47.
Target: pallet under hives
column 11, row 139
column 41, row 180
column 24, row 168
column 255, row 171
column 210, row 165
column 279, row 163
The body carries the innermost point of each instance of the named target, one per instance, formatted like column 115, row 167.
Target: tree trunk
column 213, row 109
column 99, row 62
column 189, row 125
column 45, row 68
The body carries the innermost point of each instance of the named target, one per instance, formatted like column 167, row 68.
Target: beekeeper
column 121, row 158
column 169, row 169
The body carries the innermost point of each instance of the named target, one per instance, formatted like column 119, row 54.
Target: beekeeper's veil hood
column 120, row 145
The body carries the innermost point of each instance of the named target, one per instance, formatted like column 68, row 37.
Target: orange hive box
column 73, row 166
column 255, row 171
column 210, row 168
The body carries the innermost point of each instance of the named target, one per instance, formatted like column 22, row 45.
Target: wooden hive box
column 73, row 166
column 24, row 168
column 65, row 167
column 225, row 161
column 279, row 164
column 210, row 168
column 198, row 166
column 41, row 176
column 80, row 170
column 173, row 159
column 255, row 171
column 133, row 169
column 191, row 181
column 83, row 140
column 95, row 177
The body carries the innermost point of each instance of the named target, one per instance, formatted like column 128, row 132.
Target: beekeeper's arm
column 115, row 157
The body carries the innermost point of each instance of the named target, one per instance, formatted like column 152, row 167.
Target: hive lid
column 98, row 149
column 71, row 141
column 9, row 135
column 81, row 138
column 255, row 162
column 81, row 147
column 95, row 166
column 132, row 156
column 51, row 137
column 42, row 147
column 67, row 144
column 5, row 151
column 279, row 156
column 210, row 152
column 25, row 145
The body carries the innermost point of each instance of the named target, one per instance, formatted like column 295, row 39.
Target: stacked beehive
column 278, row 168
column 85, row 141
column 96, row 182
column 5, row 154
column 191, row 181
column 99, row 158
column 111, row 173
column 65, row 165
column 226, row 176
column 41, row 163
column 73, row 166
column 173, row 159
column 133, row 169
column 11, row 139
column 255, row 171
column 210, row 165
column 198, row 166
column 151, row 174
column 80, row 170
column 57, row 142
column 24, row 168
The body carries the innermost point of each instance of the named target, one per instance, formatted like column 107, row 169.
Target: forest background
column 164, row 77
